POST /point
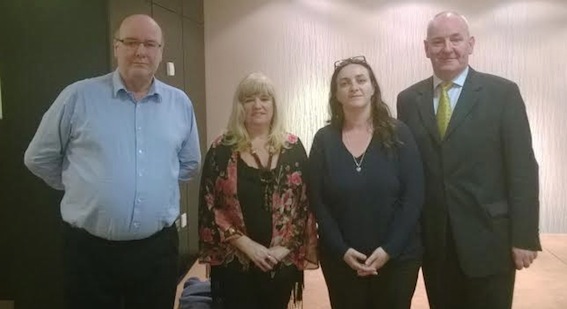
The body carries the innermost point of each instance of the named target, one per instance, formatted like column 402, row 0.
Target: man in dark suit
column 480, row 218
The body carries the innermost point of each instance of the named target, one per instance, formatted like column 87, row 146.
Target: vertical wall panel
column 296, row 43
column 194, row 69
column 193, row 10
column 172, row 5
column 172, row 26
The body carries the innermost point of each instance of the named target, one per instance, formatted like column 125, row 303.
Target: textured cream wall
column 296, row 42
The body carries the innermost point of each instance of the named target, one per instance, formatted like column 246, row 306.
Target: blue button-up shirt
column 119, row 160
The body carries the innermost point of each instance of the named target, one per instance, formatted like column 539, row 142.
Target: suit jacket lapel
column 427, row 114
column 467, row 100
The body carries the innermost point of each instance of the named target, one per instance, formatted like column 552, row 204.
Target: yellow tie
column 444, row 109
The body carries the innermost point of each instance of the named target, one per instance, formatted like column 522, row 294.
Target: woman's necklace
column 358, row 163
column 267, row 177
column 266, row 174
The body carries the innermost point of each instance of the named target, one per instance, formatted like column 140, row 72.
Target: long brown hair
column 383, row 123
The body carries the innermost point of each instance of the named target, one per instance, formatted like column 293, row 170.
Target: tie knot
column 446, row 85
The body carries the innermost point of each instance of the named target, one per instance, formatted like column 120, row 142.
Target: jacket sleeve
column 410, row 202
column 215, row 195
column 208, row 231
column 329, row 231
column 401, row 108
column 301, row 229
column 296, row 219
column 522, row 172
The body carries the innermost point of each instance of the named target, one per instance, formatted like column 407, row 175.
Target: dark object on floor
column 196, row 294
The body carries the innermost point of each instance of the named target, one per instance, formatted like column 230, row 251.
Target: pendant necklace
column 267, row 177
column 359, row 163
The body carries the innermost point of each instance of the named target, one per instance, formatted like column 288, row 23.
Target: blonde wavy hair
column 254, row 84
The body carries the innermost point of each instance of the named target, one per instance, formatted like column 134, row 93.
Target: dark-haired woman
column 366, row 189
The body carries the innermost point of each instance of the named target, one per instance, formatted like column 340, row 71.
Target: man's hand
column 375, row 261
column 355, row 260
column 523, row 258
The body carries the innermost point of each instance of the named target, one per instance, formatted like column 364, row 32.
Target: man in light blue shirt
column 117, row 145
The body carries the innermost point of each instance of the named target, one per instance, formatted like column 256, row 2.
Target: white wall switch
column 170, row 69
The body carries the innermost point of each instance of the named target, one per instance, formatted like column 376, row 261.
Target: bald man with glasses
column 118, row 145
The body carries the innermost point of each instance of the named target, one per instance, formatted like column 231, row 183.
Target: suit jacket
column 482, row 179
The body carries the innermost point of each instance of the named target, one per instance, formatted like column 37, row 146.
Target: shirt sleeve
column 190, row 153
column 44, row 156
column 329, row 231
column 410, row 203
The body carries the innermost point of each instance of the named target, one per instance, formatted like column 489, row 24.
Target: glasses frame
column 147, row 44
column 355, row 59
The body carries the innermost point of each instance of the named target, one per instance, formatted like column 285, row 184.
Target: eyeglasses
column 134, row 44
column 355, row 59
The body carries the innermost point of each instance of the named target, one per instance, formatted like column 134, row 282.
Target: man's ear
column 426, row 48
column 471, row 45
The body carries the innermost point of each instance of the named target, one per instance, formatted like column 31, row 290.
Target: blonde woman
column 256, row 231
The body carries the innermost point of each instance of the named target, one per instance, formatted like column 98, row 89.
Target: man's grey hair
column 447, row 14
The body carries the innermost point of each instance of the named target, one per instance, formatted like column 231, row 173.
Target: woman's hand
column 258, row 254
column 279, row 252
column 355, row 260
column 375, row 261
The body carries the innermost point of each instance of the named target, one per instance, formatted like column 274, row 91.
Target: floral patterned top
column 220, row 214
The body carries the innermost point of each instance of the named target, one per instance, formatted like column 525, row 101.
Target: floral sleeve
column 294, row 225
column 220, row 219
column 209, row 234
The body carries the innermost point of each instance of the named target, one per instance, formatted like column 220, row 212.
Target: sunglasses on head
column 355, row 59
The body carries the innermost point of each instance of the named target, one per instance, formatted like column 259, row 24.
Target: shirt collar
column 156, row 88
column 459, row 80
